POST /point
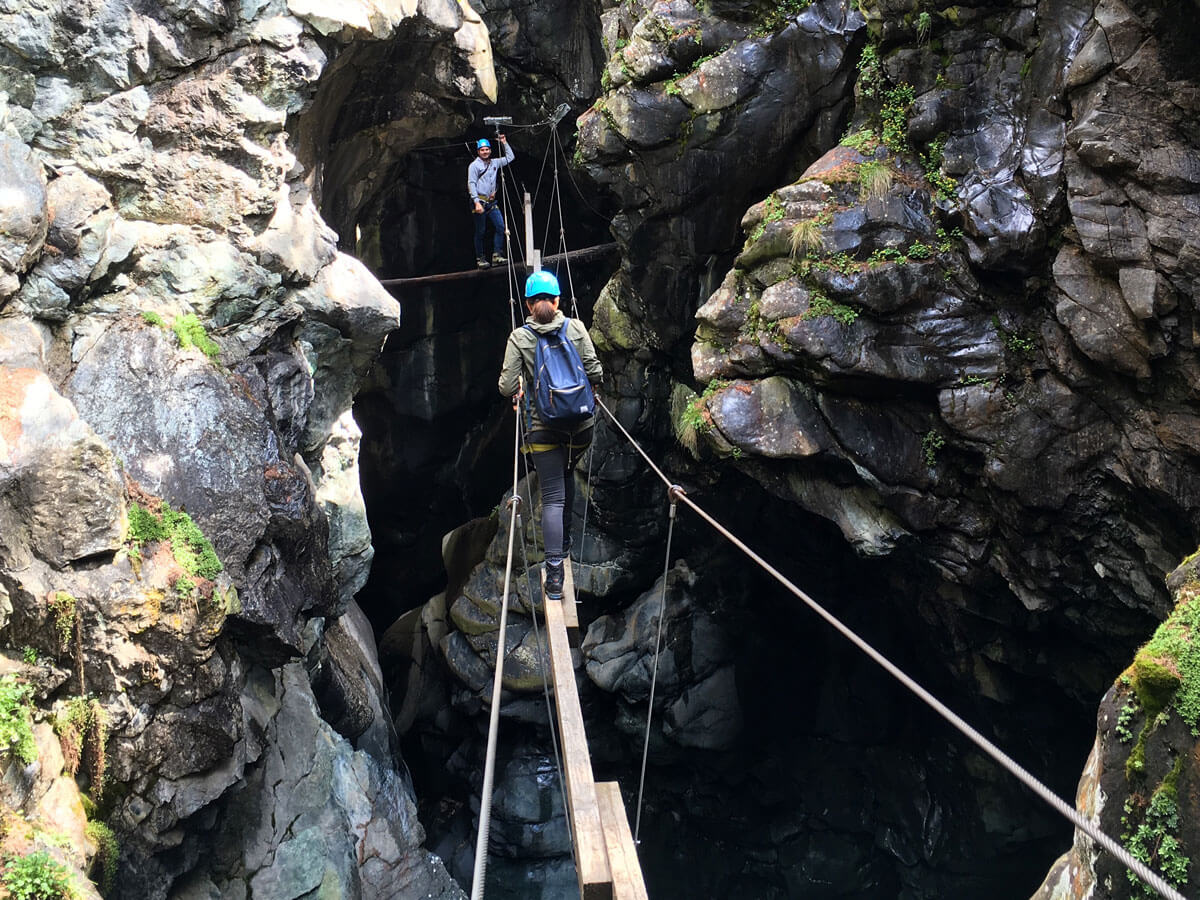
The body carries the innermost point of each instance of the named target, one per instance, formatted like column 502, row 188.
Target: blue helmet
column 541, row 283
column 483, row 142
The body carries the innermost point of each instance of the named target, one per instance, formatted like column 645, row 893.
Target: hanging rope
column 537, row 636
column 662, row 617
column 1053, row 800
column 485, row 794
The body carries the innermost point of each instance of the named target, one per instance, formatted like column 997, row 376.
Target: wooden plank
column 570, row 613
column 582, row 255
column 591, row 851
column 622, row 854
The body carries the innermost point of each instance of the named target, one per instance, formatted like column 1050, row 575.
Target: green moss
column 820, row 305
column 773, row 211
column 107, row 854
column 152, row 318
column 192, row 550
column 16, row 720
column 62, row 616
column 865, row 141
column 1166, row 670
column 145, row 526
column 1155, row 682
column 191, row 333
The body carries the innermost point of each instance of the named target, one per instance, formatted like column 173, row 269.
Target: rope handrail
column 1023, row 775
column 489, row 768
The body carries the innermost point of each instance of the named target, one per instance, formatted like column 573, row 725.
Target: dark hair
column 542, row 308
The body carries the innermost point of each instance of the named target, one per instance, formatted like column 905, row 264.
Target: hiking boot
column 498, row 260
column 481, row 263
column 554, row 579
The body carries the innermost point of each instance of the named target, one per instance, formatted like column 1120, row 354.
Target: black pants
column 554, row 456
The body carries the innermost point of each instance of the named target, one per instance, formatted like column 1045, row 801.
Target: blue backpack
column 562, row 393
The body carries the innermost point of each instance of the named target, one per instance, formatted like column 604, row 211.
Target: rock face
column 180, row 518
column 1141, row 776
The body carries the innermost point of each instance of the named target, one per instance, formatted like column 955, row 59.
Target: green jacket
column 519, row 356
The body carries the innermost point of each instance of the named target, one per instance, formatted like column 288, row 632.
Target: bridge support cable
column 1153, row 879
column 658, row 634
column 542, row 640
column 489, row 768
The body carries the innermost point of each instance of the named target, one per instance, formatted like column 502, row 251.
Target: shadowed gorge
column 902, row 293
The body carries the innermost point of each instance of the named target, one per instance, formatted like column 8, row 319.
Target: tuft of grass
column 875, row 179
column 807, row 237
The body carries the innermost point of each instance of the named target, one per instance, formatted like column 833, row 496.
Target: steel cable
column 662, row 616
column 1025, row 777
column 489, row 767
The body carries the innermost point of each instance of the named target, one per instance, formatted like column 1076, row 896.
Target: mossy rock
column 1155, row 681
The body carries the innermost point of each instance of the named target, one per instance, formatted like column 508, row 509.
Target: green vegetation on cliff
column 37, row 876
column 192, row 550
column 16, row 724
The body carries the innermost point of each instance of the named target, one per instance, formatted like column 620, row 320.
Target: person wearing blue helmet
column 554, row 448
column 481, row 185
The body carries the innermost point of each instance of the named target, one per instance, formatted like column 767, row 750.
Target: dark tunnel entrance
column 435, row 431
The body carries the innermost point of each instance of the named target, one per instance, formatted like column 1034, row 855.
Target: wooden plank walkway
column 605, row 855
column 584, row 254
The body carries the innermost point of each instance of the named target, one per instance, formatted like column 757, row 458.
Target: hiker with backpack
column 481, row 185
column 555, row 357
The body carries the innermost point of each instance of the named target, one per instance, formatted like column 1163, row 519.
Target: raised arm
column 508, row 152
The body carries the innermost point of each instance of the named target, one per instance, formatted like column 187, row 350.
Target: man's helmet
column 483, row 142
column 541, row 283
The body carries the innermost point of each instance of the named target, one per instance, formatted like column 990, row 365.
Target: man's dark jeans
column 491, row 213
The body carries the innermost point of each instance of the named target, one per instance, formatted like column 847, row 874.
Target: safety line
column 485, row 794
column 1024, row 776
column 562, row 234
column 662, row 616
column 543, row 650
